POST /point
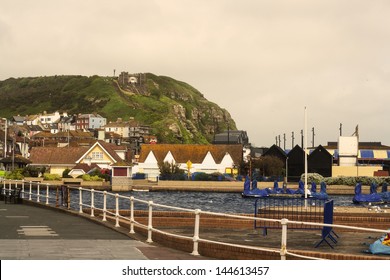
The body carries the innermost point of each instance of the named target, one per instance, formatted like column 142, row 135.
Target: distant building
column 126, row 79
column 232, row 137
column 18, row 120
column 90, row 121
column 47, row 119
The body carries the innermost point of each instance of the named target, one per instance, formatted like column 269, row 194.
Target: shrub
column 351, row 181
column 65, row 174
column 313, row 177
column 87, row 177
column 14, row 175
column 51, row 177
column 30, row 171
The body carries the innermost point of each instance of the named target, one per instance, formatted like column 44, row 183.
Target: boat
column 385, row 194
column 322, row 194
column 373, row 197
column 251, row 190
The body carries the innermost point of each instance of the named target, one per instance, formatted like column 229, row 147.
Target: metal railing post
column 57, row 197
column 92, row 203
column 22, row 194
column 47, row 193
column 38, row 198
column 68, row 196
column 132, row 215
column 150, row 218
column 104, row 206
column 283, row 244
column 196, row 233
column 80, row 200
column 30, row 191
column 117, row 210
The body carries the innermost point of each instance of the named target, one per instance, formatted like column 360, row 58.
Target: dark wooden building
column 276, row 151
column 295, row 164
column 320, row 161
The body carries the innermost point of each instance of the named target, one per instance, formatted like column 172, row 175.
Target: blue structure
column 253, row 191
column 373, row 197
column 276, row 189
column 321, row 194
column 385, row 194
column 300, row 190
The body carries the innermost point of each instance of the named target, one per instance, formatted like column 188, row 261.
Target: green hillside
column 177, row 112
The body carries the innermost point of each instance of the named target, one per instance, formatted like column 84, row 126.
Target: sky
column 264, row 61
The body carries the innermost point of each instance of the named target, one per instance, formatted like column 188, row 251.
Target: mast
column 305, row 143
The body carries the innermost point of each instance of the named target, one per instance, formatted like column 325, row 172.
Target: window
column 97, row 155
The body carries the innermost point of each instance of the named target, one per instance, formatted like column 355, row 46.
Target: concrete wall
column 355, row 170
column 121, row 184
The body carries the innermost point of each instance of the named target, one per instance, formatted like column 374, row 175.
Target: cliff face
column 176, row 112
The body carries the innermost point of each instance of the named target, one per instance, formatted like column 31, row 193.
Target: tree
column 170, row 171
column 269, row 166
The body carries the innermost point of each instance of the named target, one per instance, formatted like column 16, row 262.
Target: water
column 206, row 201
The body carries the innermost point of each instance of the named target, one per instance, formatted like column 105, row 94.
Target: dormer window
column 97, row 155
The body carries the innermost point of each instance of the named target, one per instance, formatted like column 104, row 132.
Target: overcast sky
column 262, row 60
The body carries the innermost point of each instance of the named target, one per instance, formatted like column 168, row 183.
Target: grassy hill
column 177, row 112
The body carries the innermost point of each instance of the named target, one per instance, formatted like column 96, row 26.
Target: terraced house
column 100, row 154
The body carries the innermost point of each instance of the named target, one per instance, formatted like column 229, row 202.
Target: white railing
column 40, row 191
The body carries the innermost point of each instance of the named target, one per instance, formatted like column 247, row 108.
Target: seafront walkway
column 50, row 224
column 31, row 231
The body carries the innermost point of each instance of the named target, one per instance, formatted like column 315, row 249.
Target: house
column 137, row 130
column 61, row 139
column 32, row 120
column 47, row 119
column 90, row 121
column 193, row 158
column 119, row 127
column 67, row 123
column 18, row 120
column 104, row 155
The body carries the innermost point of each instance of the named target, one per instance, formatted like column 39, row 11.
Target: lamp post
column 5, row 137
column 286, row 170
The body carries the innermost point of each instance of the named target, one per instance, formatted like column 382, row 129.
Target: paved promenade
column 34, row 233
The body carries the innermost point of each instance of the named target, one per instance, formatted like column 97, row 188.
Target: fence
column 292, row 208
column 61, row 196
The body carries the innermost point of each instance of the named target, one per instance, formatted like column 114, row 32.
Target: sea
column 206, row 201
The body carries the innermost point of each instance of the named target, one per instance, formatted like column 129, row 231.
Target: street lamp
column 5, row 137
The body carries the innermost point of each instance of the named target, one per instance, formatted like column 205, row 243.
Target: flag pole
column 305, row 150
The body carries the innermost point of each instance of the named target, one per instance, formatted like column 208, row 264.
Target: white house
column 196, row 158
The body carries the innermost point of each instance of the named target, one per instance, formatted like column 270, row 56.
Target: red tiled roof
column 85, row 167
column 195, row 153
column 55, row 155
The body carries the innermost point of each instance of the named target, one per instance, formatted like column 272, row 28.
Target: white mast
column 305, row 148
